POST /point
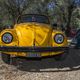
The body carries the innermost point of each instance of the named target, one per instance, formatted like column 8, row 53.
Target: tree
column 14, row 8
column 59, row 11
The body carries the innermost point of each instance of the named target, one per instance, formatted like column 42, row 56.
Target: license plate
column 33, row 55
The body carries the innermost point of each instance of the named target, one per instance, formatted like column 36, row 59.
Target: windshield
column 34, row 18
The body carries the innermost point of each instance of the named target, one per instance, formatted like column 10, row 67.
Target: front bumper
column 31, row 49
column 33, row 52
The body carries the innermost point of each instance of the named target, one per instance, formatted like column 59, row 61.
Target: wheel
column 5, row 58
column 61, row 57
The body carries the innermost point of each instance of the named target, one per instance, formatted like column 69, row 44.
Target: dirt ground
column 46, row 69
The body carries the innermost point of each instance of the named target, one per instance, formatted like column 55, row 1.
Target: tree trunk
column 68, row 27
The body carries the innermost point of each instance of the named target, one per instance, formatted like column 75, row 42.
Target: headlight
column 59, row 38
column 7, row 37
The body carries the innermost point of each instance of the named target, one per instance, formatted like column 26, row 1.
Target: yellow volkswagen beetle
column 33, row 37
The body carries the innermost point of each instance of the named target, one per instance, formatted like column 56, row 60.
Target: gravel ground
column 46, row 69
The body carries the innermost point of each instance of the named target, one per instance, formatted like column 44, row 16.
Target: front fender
column 15, row 38
column 65, row 43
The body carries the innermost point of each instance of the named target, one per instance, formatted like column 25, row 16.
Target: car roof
column 35, row 14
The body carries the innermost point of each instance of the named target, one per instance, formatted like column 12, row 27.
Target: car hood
column 34, row 34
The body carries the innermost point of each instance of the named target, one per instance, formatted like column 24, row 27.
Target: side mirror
column 54, row 26
column 8, row 26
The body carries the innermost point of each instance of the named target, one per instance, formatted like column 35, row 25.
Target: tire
column 61, row 57
column 5, row 58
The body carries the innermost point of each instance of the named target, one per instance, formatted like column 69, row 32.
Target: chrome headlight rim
column 58, row 34
column 2, row 38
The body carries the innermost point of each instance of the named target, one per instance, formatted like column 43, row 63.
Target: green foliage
column 63, row 12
